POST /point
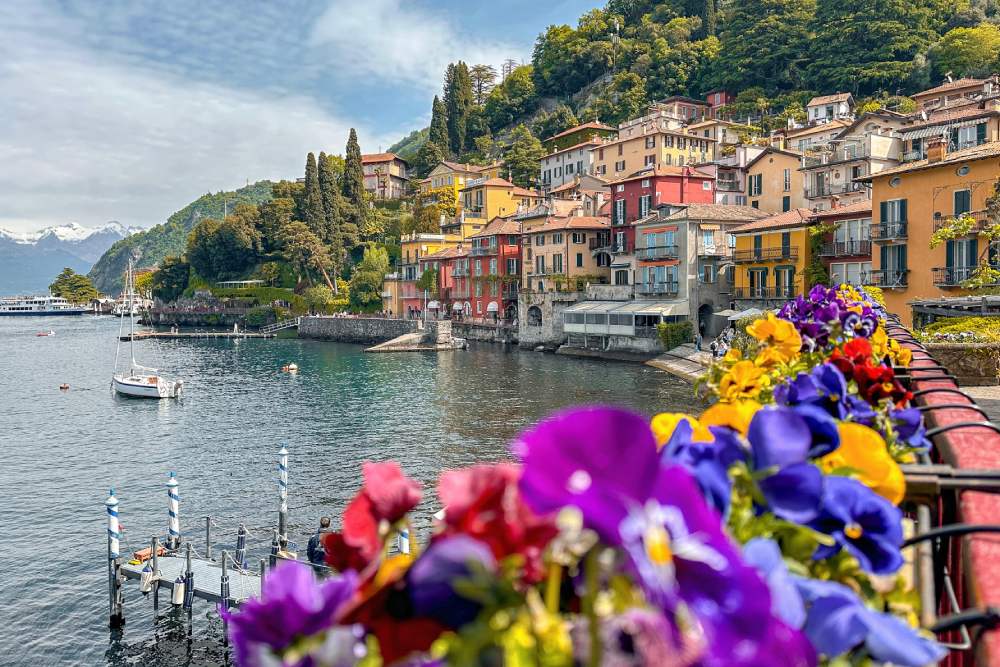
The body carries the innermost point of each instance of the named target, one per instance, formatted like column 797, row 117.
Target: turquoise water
column 62, row 450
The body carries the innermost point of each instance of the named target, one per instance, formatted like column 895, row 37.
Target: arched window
column 534, row 316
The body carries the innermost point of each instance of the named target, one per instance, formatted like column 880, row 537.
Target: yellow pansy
column 744, row 380
column 663, row 426
column 899, row 354
column 880, row 342
column 732, row 355
column 735, row 415
column 770, row 356
column 779, row 334
column 864, row 451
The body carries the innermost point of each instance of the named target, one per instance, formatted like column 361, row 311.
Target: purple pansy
column 823, row 387
column 824, row 313
column 861, row 521
column 293, row 606
column 708, row 461
column 432, row 577
column 909, row 427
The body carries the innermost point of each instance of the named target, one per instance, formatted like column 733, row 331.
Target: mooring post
column 274, row 548
column 173, row 511
column 208, row 537
column 403, row 541
column 239, row 560
column 115, row 606
column 154, row 547
column 188, row 583
column 224, row 581
column 263, row 573
column 283, row 496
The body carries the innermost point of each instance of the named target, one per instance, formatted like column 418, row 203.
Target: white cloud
column 87, row 138
column 396, row 41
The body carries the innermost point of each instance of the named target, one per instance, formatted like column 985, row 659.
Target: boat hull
column 43, row 313
column 141, row 388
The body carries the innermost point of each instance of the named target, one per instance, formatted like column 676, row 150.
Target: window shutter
column 954, row 136
column 981, row 133
column 973, row 253
column 949, row 255
column 884, row 260
column 902, row 257
column 883, row 209
column 902, row 210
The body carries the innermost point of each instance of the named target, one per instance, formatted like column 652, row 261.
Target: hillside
column 408, row 147
column 170, row 238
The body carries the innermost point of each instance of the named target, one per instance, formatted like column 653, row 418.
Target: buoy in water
column 146, row 579
column 289, row 368
column 64, row 387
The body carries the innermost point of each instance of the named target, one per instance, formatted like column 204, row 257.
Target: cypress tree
column 458, row 101
column 439, row 125
column 312, row 201
column 353, row 189
column 331, row 212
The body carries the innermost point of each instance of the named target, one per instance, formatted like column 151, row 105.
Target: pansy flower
column 780, row 336
column 744, row 379
column 908, row 425
column 824, row 387
column 863, row 453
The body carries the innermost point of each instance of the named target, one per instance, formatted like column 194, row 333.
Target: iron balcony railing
column 612, row 246
column 854, row 152
column 814, row 191
column 952, row 276
column 483, row 250
column 888, row 231
column 669, row 287
column 728, row 185
column 766, row 254
column 982, row 218
column 460, row 272
column 658, row 252
column 764, row 293
column 851, row 248
column 888, row 278
column 510, row 291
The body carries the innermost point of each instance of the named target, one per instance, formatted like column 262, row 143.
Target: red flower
column 877, row 382
column 392, row 494
column 342, row 556
column 858, row 350
column 483, row 502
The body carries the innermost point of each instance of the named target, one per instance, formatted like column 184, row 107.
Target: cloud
column 396, row 41
column 90, row 138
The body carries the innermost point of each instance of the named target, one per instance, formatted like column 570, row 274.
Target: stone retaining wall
column 488, row 333
column 972, row 363
column 360, row 330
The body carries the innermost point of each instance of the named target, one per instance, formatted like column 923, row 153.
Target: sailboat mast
column 131, row 312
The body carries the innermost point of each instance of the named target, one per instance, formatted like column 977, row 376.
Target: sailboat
column 139, row 381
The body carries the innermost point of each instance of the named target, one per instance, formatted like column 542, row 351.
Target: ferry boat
column 38, row 305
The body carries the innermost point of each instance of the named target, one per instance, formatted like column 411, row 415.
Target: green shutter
column 884, row 257
column 981, row 133
column 883, row 209
column 949, row 255
column 902, row 257
column 974, row 252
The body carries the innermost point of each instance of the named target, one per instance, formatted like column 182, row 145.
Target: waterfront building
column 592, row 131
column 910, row 202
column 718, row 98
column 656, row 139
column 963, row 124
column 412, row 248
column 495, row 267
column 589, row 191
column 685, row 109
column 558, row 253
column 774, row 182
column 445, row 181
column 563, row 166
column 826, row 108
column 385, row 175
column 392, row 293
column 685, row 253
column 957, row 92
column 730, row 170
column 486, row 198
column 770, row 257
column 845, row 247
column 450, row 294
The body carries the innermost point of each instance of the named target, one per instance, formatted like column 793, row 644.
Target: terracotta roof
column 499, row 225
column 832, row 125
column 964, row 82
column 588, row 142
column 664, row 170
column 461, row 166
column 592, row 125
column 447, row 253
column 770, row 150
column 504, row 183
column 849, row 209
column 683, row 98
column 721, row 212
column 605, row 209
column 380, row 157
column 827, row 99
column 571, row 222
column 945, row 116
column 797, row 217
column 981, row 152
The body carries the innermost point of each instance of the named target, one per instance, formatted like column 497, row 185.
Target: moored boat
column 38, row 306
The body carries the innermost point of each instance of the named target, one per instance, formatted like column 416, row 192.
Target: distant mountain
column 170, row 238
column 29, row 262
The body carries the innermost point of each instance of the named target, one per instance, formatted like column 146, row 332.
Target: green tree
column 304, row 251
column 333, row 208
column 428, row 282
column 353, row 189
column 319, row 298
column 144, row 283
column 274, row 215
column 367, row 279
column 429, row 156
column 458, row 100
column 222, row 249
column 438, row 133
column 483, row 79
column 967, row 51
column 270, row 272
column 312, row 200
column 522, row 156
column 514, row 98
column 170, row 279
column 559, row 119
column 625, row 98
column 73, row 287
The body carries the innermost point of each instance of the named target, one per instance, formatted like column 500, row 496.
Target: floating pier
column 168, row 335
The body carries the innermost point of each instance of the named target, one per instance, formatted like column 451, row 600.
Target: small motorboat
column 290, row 368
column 46, row 333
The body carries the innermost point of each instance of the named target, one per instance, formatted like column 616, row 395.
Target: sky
column 129, row 109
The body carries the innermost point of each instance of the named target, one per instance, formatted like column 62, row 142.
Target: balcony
column 981, row 218
column 763, row 293
column 766, row 254
column 952, row 276
column 814, row 191
column 509, row 291
column 853, row 152
column 483, row 250
column 888, row 231
column 657, row 252
column 728, row 185
column 611, row 246
column 670, row 287
column 852, row 248
column 888, row 279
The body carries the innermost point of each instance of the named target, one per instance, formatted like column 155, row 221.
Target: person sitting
column 315, row 551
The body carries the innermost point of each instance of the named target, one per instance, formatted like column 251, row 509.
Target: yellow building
column 770, row 258
column 453, row 176
column 912, row 200
column 774, row 182
column 655, row 139
column 485, row 198
column 392, row 294
column 559, row 250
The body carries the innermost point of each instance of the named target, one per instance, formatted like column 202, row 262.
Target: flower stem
column 589, row 607
column 552, row 587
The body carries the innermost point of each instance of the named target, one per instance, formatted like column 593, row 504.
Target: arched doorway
column 705, row 324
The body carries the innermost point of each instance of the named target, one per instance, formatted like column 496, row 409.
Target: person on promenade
column 315, row 551
column 697, row 340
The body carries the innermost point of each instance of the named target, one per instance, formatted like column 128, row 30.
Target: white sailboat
column 139, row 381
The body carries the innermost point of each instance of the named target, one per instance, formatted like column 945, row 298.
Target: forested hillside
column 774, row 54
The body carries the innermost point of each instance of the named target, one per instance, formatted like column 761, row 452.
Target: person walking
column 697, row 340
column 315, row 551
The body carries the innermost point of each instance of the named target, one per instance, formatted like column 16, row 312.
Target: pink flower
column 392, row 494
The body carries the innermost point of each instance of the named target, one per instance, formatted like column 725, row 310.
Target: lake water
column 61, row 451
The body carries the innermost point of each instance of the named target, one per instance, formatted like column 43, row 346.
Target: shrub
column 957, row 329
column 673, row 334
column 259, row 316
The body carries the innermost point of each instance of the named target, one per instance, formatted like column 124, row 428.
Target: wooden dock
column 167, row 335
column 207, row 578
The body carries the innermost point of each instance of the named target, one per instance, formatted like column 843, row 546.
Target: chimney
column 834, row 201
column 937, row 148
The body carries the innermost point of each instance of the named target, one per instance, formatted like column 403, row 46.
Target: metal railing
column 457, row 272
column 766, row 254
column 612, row 246
column 849, row 248
column 952, row 276
column 888, row 231
column 981, row 218
column 763, row 293
column 669, row 287
column 728, row 185
column 889, row 279
column 827, row 189
column 483, row 250
column 657, row 252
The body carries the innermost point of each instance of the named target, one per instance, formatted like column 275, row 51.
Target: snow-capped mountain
column 30, row 261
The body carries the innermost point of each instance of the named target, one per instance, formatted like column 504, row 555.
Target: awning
column 433, row 305
column 492, row 307
column 749, row 312
column 456, row 306
column 593, row 306
column 664, row 308
column 726, row 313
column 939, row 130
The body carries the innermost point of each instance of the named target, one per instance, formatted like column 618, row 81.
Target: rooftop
column 380, row 157
column 829, row 99
column 950, row 115
column 447, row 253
column 813, row 129
column 981, row 152
column 592, row 125
column 797, row 217
column 499, row 225
column 720, row 212
column 559, row 223
column 771, row 150
column 588, row 142
column 849, row 209
column 663, row 170
column 964, row 82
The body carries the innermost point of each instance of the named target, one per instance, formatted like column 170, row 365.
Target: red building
column 453, row 285
column 494, row 261
column 636, row 196
column 719, row 98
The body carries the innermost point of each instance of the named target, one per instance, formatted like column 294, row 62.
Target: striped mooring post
column 283, row 497
column 188, row 582
column 115, row 600
column 239, row 560
column 403, row 541
column 173, row 512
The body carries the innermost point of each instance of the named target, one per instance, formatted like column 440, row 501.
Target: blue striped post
column 224, row 581
column 115, row 616
column 283, row 496
column 241, row 547
column 173, row 511
column 403, row 541
column 114, row 534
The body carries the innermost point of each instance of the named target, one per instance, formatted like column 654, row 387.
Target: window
column 786, row 244
column 557, row 238
column 708, row 273
column 493, row 266
column 680, row 160
column 963, row 201
column 668, row 141
column 893, row 210
column 511, row 266
column 620, row 165
column 569, row 168
column 601, row 169
column 788, row 181
column 603, row 259
column 708, row 240
column 621, row 277
column 619, row 188
column 648, row 160
column 731, row 240
column 619, row 218
column 579, row 259
column 758, row 246
column 479, row 288
column 755, row 204
column 621, row 148
column 706, row 185
column 479, row 267
column 756, row 184
column 540, row 264
column 645, row 182
column 668, row 159
column 558, row 172
column 650, row 142
column 786, row 203
column 644, row 202
column 557, row 264
column 784, row 281
column 540, row 239
column 511, row 239
column 852, row 273
column 579, row 237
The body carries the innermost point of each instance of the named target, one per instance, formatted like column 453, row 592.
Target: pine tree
column 312, row 202
column 483, row 79
column 458, row 101
column 332, row 212
column 523, row 155
column 353, row 189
